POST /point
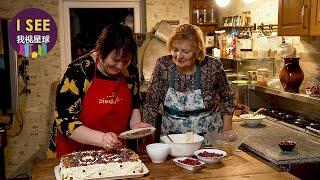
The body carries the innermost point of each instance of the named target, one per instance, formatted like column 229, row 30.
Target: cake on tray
column 95, row 164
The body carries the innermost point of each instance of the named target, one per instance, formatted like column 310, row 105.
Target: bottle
column 212, row 15
column 223, row 49
column 194, row 15
column 201, row 14
column 249, row 18
column 197, row 14
column 205, row 14
column 216, row 49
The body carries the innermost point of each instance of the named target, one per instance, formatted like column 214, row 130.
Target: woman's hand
column 140, row 124
column 110, row 141
column 229, row 135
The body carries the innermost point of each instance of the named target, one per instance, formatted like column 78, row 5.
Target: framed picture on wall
column 209, row 41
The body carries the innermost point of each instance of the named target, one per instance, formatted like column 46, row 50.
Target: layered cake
column 100, row 164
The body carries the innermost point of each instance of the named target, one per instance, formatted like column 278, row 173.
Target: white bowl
column 180, row 147
column 210, row 159
column 251, row 120
column 158, row 152
column 191, row 167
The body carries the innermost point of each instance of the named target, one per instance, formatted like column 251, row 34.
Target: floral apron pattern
column 185, row 111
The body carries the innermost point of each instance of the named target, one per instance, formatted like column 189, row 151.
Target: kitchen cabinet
column 204, row 14
column 299, row 18
column 315, row 18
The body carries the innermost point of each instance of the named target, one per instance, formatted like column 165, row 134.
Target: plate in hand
column 137, row 133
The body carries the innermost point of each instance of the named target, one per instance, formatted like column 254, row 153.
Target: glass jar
column 262, row 77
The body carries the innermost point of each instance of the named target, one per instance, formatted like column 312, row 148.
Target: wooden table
column 238, row 166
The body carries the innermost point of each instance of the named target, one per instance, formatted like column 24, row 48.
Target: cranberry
column 189, row 161
column 209, row 154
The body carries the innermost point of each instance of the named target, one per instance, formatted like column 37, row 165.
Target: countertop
column 238, row 166
column 263, row 141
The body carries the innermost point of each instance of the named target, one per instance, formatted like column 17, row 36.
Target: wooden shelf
column 205, row 4
column 239, row 27
column 206, row 24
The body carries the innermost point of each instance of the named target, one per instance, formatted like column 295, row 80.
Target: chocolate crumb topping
column 84, row 158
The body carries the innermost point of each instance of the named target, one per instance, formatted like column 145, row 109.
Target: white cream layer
column 102, row 170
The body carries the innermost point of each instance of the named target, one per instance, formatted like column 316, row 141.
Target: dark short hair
column 116, row 37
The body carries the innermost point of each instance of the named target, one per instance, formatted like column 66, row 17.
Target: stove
column 315, row 128
column 294, row 120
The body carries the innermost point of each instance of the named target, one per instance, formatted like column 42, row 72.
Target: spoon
column 169, row 138
column 259, row 110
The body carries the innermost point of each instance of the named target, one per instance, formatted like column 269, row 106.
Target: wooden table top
column 238, row 166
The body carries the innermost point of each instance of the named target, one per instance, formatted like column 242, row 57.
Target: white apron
column 185, row 111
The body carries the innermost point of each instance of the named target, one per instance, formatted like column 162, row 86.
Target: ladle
column 169, row 138
column 259, row 110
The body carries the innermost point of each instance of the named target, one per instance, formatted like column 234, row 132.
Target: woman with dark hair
column 98, row 97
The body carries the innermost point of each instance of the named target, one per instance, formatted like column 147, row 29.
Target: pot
column 291, row 75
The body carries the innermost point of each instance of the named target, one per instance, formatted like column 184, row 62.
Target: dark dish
column 287, row 145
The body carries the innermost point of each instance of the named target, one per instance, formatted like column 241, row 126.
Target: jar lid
column 263, row 69
column 3, row 127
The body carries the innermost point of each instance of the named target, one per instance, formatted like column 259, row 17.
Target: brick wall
column 34, row 107
column 158, row 10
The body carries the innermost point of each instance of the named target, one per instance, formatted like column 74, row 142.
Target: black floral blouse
column 74, row 85
column 215, row 89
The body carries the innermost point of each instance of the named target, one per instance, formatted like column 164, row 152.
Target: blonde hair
column 192, row 33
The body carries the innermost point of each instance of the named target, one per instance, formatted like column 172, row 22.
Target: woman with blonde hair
column 191, row 86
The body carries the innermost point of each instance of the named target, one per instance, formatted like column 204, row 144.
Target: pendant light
column 249, row 1
column 222, row 3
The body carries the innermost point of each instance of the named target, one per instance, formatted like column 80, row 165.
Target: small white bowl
column 210, row 159
column 158, row 152
column 251, row 120
column 180, row 147
column 179, row 162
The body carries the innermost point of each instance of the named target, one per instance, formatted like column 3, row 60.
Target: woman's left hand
column 229, row 135
column 140, row 125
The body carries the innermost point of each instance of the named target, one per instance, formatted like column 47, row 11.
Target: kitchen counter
column 263, row 141
column 238, row 166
